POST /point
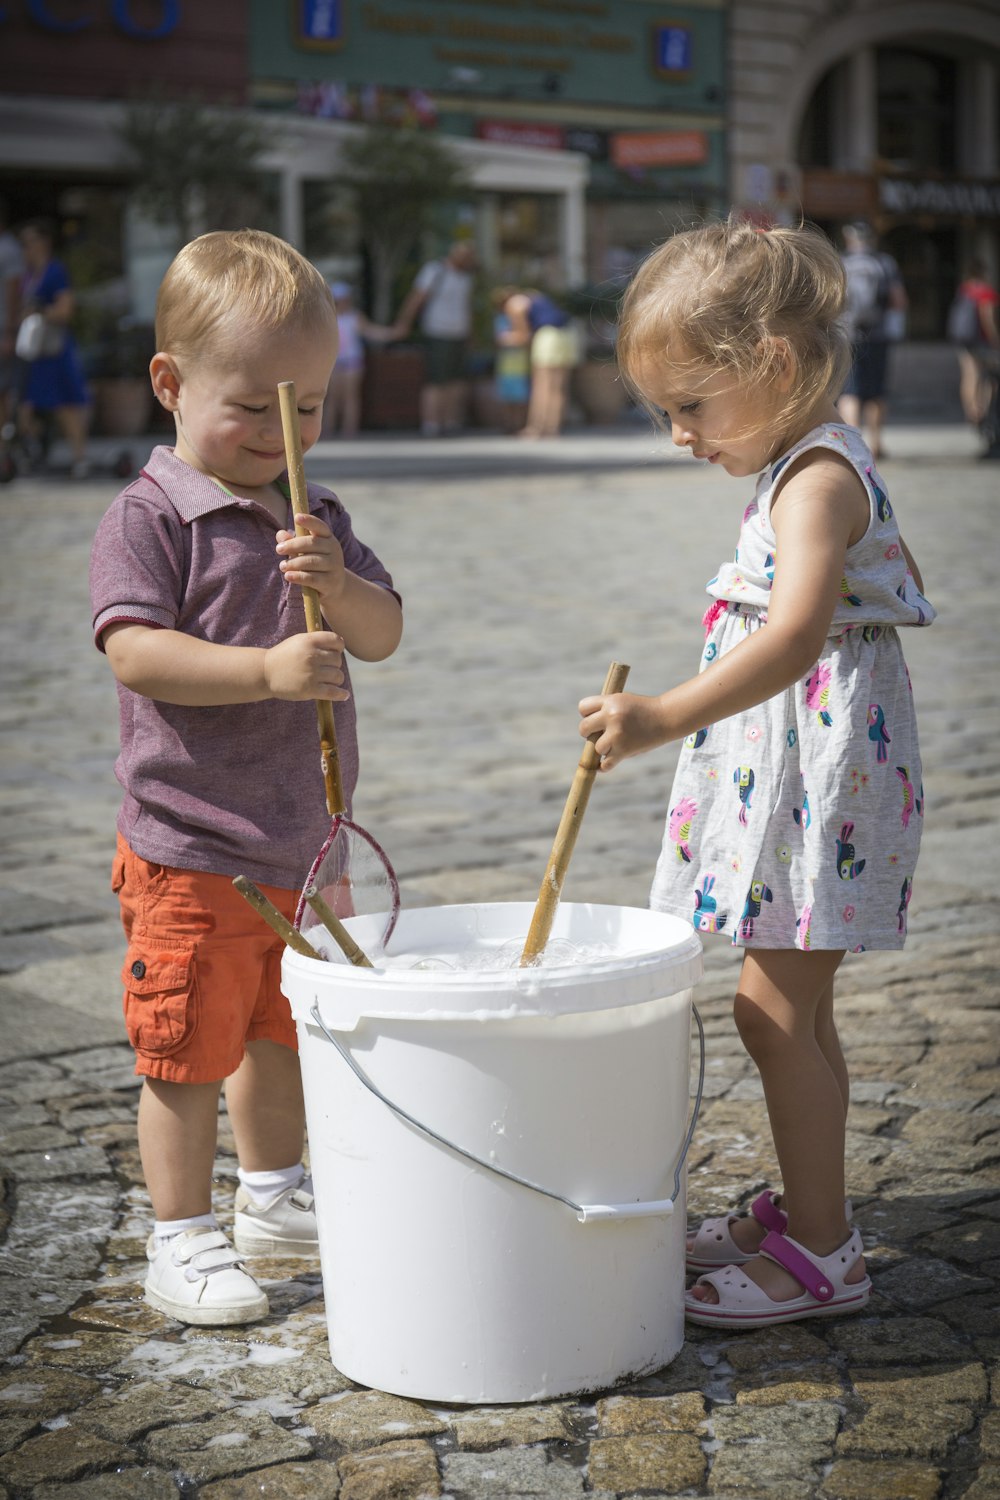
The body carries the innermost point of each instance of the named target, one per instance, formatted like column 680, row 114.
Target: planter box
column 390, row 391
column 599, row 391
column 123, row 407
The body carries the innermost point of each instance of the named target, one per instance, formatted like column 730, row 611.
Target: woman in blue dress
column 54, row 382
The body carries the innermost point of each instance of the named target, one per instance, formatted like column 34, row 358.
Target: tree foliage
column 195, row 168
column 399, row 177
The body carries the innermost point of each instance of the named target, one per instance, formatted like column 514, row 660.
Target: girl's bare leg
column 748, row 1232
column 784, row 1014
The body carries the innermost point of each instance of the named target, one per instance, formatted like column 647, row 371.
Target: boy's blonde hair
column 245, row 275
column 717, row 297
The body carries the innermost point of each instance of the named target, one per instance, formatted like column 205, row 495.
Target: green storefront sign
column 622, row 54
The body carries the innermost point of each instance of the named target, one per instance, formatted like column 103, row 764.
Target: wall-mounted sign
column 148, row 27
column 673, row 50
column 901, row 195
column 659, row 148
column 522, row 133
column 320, row 25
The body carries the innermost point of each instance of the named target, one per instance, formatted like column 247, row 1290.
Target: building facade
column 887, row 110
column 586, row 128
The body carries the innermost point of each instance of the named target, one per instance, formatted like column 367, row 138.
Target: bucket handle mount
column 587, row 1213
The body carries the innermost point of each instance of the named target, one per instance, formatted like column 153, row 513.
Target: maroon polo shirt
column 238, row 788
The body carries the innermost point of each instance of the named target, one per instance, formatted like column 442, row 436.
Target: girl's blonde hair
column 243, row 277
column 719, row 296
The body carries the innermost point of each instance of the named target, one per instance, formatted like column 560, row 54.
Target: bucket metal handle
column 587, row 1213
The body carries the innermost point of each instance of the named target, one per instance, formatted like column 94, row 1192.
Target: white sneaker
column 196, row 1277
column 284, row 1226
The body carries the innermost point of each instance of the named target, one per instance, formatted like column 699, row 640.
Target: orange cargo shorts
column 202, row 971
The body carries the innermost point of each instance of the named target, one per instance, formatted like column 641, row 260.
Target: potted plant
column 118, row 367
column 597, row 384
column 194, row 169
column 399, row 178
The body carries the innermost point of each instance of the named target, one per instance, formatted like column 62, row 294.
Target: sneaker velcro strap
column 204, row 1253
column 301, row 1199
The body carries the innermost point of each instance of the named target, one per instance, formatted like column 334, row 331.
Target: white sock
column 169, row 1229
column 263, row 1186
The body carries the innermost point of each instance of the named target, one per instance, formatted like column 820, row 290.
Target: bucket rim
column 641, row 970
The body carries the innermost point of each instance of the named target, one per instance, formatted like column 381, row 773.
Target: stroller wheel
column 123, row 465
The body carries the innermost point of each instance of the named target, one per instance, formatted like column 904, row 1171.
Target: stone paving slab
column 522, row 581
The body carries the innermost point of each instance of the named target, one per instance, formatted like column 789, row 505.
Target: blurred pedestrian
column 342, row 408
column 512, row 366
column 54, row 380
column 875, row 298
column 554, row 352
column 973, row 328
column 441, row 298
column 11, row 276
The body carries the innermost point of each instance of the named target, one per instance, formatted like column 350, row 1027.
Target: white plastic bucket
column 444, row 1280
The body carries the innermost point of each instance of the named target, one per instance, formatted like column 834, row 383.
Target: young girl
column 795, row 818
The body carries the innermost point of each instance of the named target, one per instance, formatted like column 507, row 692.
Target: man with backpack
column 876, row 301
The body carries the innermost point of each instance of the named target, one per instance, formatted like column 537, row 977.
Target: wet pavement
column 526, row 569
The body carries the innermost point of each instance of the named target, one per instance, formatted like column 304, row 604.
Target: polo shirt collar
column 193, row 494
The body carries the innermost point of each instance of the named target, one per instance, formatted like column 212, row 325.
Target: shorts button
column 138, row 969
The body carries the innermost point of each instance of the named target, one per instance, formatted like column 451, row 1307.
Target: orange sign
column 659, row 148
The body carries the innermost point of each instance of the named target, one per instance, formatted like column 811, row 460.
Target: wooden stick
column 274, row 919
column 337, row 930
column 314, row 619
column 565, row 839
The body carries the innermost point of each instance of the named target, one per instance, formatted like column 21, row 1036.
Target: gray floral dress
column 797, row 823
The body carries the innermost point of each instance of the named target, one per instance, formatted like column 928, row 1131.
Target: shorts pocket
column 161, row 996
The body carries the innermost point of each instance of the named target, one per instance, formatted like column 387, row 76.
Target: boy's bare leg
column 178, row 1125
column 264, row 1099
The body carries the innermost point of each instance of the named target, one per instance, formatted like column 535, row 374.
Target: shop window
column 916, row 110
column 816, row 138
column 528, row 239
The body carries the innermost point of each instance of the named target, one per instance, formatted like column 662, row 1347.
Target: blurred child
column 342, row 408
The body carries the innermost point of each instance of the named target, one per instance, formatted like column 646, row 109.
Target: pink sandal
column 714, row 1245
column 743, row 1304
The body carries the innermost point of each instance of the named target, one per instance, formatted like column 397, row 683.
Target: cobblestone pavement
column 524, row 575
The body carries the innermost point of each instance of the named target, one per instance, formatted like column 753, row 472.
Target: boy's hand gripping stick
column 351, row 872
column 314, row 619
column 565, row 839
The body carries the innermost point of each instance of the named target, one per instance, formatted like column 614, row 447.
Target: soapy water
column 482, row 957
column 559, row 953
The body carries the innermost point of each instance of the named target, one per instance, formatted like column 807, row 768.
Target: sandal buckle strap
column 767, row 1213
column 780, row 1248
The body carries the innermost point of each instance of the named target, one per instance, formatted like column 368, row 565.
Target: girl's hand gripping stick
column 565, row 839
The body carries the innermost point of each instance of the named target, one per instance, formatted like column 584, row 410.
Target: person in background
column 441, row 299
column 342, row 408
column 554, row 352
column 974, row 328
column 875, row 294
column 197, row 573
column 11, row 277
column 55, row 382
column 512, row 366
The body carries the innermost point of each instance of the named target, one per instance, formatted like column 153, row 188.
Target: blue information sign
column 320, row 23
column 672, row 48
